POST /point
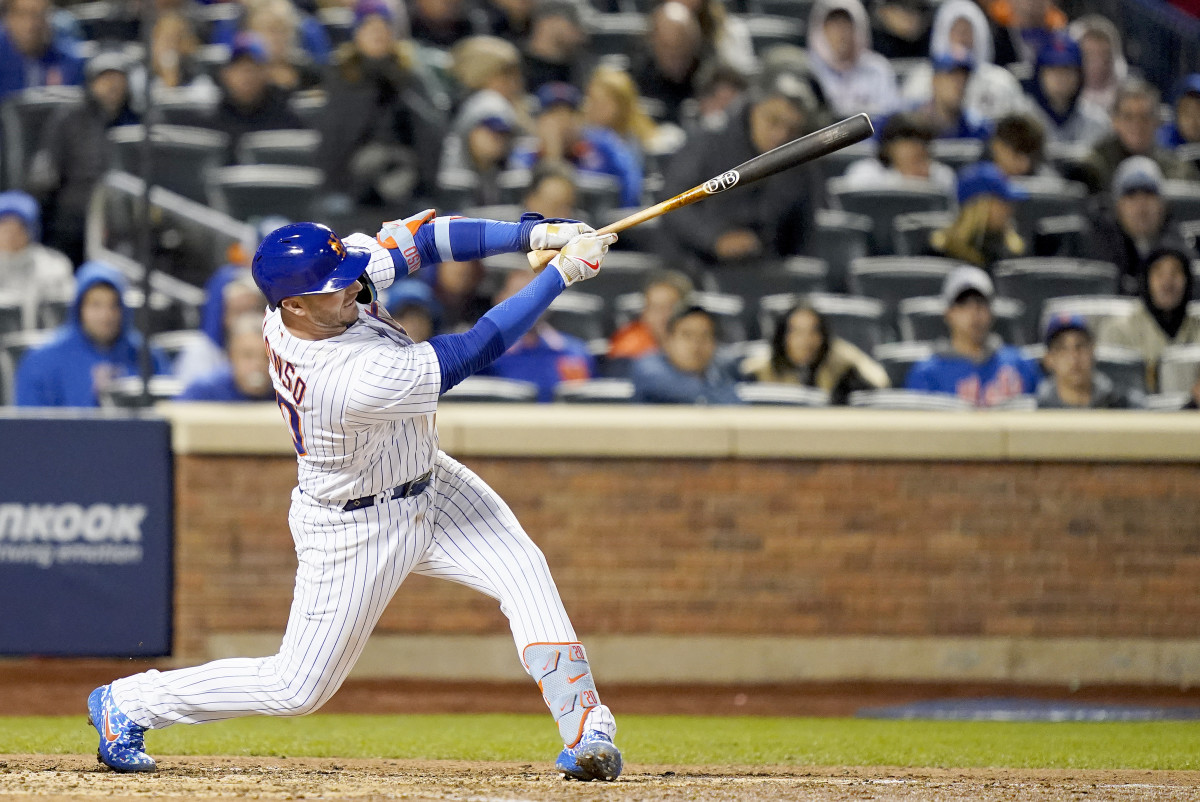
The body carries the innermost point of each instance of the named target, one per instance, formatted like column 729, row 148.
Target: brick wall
column 797, row 548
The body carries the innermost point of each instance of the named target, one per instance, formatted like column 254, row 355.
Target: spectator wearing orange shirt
column 664, row 292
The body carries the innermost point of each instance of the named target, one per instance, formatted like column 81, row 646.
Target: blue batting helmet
column 305, row 259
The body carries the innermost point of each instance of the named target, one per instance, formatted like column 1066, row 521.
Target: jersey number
column 292, row 417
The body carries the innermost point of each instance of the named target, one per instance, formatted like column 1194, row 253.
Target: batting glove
column 554, row 235
column 580, row 258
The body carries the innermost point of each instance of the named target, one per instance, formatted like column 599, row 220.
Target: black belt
column 405, row 490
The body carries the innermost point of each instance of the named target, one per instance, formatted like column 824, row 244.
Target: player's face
column 100, row 314
column 803, row 339
column 1166, row 282
column 332, row 311
column 691, row 345
column 1070, row 359
column 970, row 319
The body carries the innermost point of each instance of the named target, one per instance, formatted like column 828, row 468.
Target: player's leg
column 478, row 542
column 350, row 566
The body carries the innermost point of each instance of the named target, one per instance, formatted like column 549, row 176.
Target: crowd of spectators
column 441, row 103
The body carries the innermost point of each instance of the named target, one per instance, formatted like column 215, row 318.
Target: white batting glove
column 555, row 235
column 580, row 258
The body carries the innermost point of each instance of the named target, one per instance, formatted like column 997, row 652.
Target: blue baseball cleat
column 595, row 757
column 122, row 747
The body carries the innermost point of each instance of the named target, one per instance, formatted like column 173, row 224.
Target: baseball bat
column 799, row 151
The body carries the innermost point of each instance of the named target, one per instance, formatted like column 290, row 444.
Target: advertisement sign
column 85, row 536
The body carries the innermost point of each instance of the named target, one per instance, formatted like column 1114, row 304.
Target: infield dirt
column 74, row 777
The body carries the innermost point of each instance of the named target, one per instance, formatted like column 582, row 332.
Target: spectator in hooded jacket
column 1135, row 123
column 1055, row 89
column 243, row 376
column 973, row 365
column 30, row 53
column 97, row 345
column 1162, row 318
column 74, row 152
column 945, row 111
column 960, row 28
column 1104, row 65
column 853, row 77
column 249, row 101
column 29, row 270
column 1136, row 222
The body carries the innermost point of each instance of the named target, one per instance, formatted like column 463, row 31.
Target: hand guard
column 580, row 258
column 555, row 234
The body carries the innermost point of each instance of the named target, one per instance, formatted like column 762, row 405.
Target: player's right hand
column 580, row 259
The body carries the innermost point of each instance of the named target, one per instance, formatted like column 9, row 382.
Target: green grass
column 659, row 739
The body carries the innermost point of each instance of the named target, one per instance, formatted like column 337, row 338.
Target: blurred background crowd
column 1020, row 232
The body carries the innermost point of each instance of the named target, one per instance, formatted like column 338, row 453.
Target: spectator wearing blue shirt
column 268, row 19
column 1056, row 88
column 30, row 54
column 973, row 365
column 97, row 345
column 245, row 377
column 543, row 356
column 945, row 111
column 685, row 371
column 562, row 136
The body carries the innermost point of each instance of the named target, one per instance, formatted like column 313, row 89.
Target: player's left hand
column 554, row 235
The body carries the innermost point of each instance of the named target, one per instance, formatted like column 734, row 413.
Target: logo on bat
column 724, row 181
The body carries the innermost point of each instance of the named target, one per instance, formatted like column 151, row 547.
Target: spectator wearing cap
column 668, row 66
column 563, row 136
column 412, row 306
column 1135, row 123
column 961, row 29
column 1017, row 146
column 1134, row 224
column 556, row 48
column 381, row 133
column 973, row 364
column 686, row 371
column 1185, row 128
column 1104, row 65
column 481, row 143
column 983, row 232
column 1055, row 90
column 249, row 101
column 30, row 53
column 853, row 77
column 74, row 152
column 29, row 270
column 904, row 157
column 96, row 345
column 771, row 218
column 244, row 377
column 1073, row 381
column 1162, row 318
column 544, row 356
column 945, row 111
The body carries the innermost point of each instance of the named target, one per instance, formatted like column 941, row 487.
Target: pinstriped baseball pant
column 350, row 566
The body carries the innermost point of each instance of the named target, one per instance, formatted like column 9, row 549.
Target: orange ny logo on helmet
column 337, row 246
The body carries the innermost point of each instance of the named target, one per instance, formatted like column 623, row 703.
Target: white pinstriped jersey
column 360, row 405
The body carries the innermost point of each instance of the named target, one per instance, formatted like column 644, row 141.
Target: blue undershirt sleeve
column 461, row 239
column 461, row 355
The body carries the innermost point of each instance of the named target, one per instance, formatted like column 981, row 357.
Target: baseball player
column 376, row 498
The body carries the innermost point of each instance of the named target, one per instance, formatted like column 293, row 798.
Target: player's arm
column 460, row 355
column 425, row 239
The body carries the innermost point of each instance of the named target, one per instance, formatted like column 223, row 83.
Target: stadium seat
column 1033, row 280
column 127, row 393
column 622, row 32
column 12, row 312
column 594, row 391
column 898, row 358
column 485, row 389
column 730, row 312
column 508, row 212
column 1048, row 197
column 12, row 348
column 1183, row 200
column 624, row 273
column 579, row 314
column 1062, row 236
column 911, row 232
column 1178, row 368
column 780, row 395
column 883, row 205
column 751, row 281
column 182, row 156
column 839, row 239
column 833, row 165
column 923, row 319
column 795, row 9
column 185, row 105
column 908, row 400
column 338, row 22
column 1124, row 366
column 768, row 31
column 106, row 21
column 298, row 147
column 1095, row 309
column 172, row 343
column 956, row 153
column 853, row 318
column 309, row 106
column 1069, row 158
column 457, row 190
column 21, row 117
column 1166, row 402
column 251, row 191
column 891, row 279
